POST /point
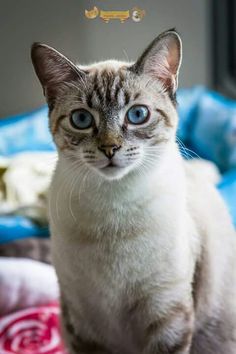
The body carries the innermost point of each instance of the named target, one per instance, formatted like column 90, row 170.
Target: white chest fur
column 108, row 238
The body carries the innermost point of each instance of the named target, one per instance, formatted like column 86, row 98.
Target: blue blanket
column 207, row 126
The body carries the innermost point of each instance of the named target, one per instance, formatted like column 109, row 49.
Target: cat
column 143, row 245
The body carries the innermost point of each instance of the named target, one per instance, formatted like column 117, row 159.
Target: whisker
column 187, row 153
column 73, row 184
column 86, row 174
column 65, row 181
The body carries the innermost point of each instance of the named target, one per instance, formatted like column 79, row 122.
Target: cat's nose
column 109, row 150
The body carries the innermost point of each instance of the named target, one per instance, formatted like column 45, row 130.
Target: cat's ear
column 52, row 69
column 162, row 59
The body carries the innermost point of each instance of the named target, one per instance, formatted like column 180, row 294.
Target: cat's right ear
column 52, row 69
column 162, row 59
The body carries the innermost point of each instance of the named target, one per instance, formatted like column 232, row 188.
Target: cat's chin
column 113, row 172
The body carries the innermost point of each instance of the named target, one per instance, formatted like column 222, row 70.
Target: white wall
column 62, row 24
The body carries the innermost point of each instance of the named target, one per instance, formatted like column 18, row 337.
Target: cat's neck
column 166, row 177
column 92, row 204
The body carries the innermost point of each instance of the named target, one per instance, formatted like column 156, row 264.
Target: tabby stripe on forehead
column 89, row 99
column 119, row 86
column 97, row 88
column 107, row 87
column 105, row 79
column 116, row 89
column 127, row 97
column 110, row 80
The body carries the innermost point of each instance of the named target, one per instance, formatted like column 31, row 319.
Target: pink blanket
column 35, row 330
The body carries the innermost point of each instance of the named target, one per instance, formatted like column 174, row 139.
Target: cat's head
column 112, row 117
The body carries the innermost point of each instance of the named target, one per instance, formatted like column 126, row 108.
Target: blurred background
column 206, row 27
column 207, row 128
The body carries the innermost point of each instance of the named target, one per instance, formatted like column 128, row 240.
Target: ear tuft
column 162, row 59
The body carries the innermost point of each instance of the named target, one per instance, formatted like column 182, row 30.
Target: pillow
column 26, row 132
column 26, row 283
column 33, row 331
column 227, row 188
column 208, row 126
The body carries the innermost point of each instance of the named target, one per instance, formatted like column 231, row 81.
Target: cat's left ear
column 53, row 69
column 162, row 59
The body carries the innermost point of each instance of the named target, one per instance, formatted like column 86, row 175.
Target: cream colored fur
column 145, row 251
column 153, row 229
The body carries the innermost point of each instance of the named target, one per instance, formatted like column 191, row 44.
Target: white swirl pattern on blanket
column 31, row 331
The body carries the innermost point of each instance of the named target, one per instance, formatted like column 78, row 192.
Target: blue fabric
column 16, row 227
column 187, row 109
column 227, row 188
column 207, row 126
column 25, row 132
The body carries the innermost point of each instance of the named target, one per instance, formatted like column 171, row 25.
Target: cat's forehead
column 110, row 85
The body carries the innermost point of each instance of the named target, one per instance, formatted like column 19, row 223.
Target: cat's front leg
column 171, row 334
column 78, row 345
column 75, row 343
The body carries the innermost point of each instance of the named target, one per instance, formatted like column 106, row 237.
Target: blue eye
column 81, row 119
column 138, row 114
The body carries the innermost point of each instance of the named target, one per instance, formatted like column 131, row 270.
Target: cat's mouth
column 113, row 169
column 111, row 164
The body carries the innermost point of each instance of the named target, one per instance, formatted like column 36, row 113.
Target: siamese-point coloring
column 143, row 245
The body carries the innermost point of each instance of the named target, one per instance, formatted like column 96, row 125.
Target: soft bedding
column 34, row 330
column 26, row 283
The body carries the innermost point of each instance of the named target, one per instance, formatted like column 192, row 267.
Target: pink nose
column 109, row 150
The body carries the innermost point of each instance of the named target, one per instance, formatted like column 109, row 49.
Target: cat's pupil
column 82, row 117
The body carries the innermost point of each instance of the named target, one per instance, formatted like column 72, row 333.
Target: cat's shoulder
column 205, row 204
